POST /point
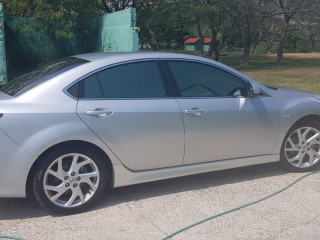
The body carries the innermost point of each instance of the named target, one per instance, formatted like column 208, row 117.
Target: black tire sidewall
column 47, row 161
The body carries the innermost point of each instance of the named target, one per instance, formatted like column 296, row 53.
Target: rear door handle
column 196, row 111
column 100, row 112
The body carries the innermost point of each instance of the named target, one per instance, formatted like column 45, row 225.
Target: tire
column 70, row 179
column 300, row 151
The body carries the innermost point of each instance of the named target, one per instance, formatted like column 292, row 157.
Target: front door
column 221, row 121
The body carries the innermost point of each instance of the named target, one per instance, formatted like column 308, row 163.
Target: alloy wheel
column 302, row 148
column 71, row 180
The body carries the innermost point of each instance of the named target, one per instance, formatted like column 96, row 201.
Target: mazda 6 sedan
column 71, row 128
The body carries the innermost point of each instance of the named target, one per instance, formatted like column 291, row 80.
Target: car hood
column 289, row 93
column 294, row 102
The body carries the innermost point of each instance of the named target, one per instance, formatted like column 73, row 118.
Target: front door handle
column 100, row 112
column 196, row 111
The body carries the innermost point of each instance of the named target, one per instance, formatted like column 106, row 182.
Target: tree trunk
column 280, row 52
column 211, row 47
column 217, row 51
column 269, row 45
column 202, row 45
column 153, row 41
column 287, row 19
column 200, row 33
column 312, row 40
column 255, row 46
column 214, row 48
column 246, row 54
column 154, row 45
column 256, row 43
column 246, row 43
column 213, row 44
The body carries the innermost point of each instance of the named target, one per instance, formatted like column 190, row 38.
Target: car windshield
column 28, row 81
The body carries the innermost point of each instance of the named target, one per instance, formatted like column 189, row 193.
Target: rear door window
column 133, row 80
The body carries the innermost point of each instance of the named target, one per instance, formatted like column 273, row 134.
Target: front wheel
column 70, row 179
column 301, row 147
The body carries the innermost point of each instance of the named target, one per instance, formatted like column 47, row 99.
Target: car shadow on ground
column 28, row 208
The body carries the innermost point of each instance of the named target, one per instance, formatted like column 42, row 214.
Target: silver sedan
column 71, row 128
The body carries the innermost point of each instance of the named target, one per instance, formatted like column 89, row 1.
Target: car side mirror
column 254, row 90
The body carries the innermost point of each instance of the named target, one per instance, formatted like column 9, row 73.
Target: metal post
column 3, row 63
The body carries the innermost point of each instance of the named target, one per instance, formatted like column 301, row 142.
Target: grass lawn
column 299, row 71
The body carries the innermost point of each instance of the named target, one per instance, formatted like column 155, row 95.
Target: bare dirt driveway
column 153, row 210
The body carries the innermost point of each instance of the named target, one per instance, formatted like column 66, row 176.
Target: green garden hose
column 238, row 208
column 11, row 237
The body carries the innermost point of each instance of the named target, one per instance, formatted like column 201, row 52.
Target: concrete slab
column 153, row 210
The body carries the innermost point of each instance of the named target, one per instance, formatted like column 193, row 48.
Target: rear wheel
column 70, row 179
column 301, row 147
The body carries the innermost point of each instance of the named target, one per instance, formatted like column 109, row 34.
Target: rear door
column 130, row 108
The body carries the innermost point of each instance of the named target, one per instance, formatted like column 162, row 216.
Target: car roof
column 101, row 56
column 100, row 59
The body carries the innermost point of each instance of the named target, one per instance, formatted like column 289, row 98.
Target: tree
column 161, row 24
column 204, row 17
column 289, row 11
column 213, row 10
column 270, row 29
column 118, row 5
column 216, row 35
column 246, row 16
column 62, row 16
column 311, row 22
column 167, row 23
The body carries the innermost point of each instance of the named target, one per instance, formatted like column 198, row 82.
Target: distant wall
column 194, row 47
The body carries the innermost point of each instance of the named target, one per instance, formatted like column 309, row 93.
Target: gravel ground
column 154, row 210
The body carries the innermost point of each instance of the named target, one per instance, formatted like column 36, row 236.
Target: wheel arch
column 286, row 128
column 77, row 143
column 311, row 117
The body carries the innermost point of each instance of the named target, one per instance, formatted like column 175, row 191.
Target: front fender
column 291, row 112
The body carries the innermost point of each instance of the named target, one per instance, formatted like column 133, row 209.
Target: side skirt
column 123, row 176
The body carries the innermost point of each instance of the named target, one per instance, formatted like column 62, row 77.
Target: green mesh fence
column 3, row 65
column 30, row 43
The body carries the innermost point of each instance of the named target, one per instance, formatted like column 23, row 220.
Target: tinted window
column 135, row 80
column 92, row 87
column 200, row 80
column 25, row 82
